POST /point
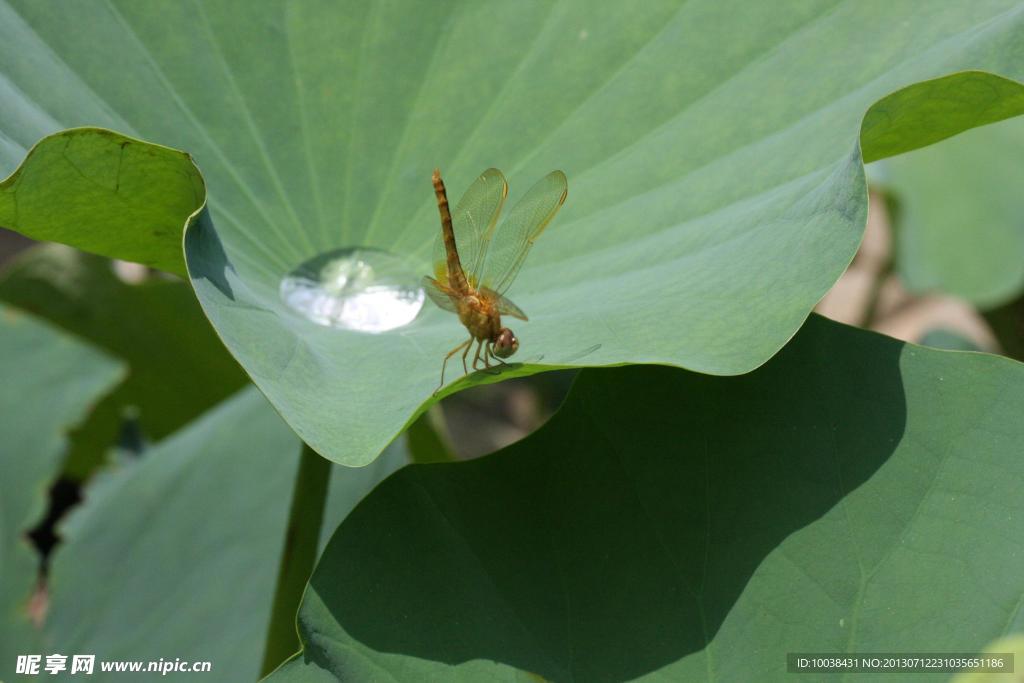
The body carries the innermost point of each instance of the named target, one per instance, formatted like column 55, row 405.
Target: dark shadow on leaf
column 615, row 540
column 207, row 259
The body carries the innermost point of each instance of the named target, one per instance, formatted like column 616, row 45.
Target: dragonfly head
column 505, row 344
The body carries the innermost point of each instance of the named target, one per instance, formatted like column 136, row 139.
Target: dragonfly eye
column 506, row 343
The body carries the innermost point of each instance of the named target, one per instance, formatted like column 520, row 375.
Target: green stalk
column 300, row 545
column 428, row 438
column 870, row 316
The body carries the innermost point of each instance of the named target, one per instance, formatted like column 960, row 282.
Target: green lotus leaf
column 179, row 368
column 960, row 216
column 714, row 155
column 50, row 382
column 106, row 194
column 1011, row 644
column 199, row 524
column 854, row 494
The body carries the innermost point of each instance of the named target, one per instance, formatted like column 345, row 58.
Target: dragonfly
column 475, row 260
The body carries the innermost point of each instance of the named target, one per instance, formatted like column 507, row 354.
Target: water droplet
column 368, row 290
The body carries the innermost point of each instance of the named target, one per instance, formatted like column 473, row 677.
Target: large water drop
column 368, row 290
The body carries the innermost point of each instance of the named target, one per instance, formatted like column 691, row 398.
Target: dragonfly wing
column 505, row 306
column 437, row 294
column 473, row 222
column 511, row 242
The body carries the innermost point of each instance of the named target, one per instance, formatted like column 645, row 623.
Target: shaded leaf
column 198, row 525
column 348, row 486
column 179, row 368
column 48, row 382
column 855, row 494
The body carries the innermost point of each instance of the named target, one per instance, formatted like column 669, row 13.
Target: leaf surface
column 178, row 367
column 50, row 382
column 176, row 555
column 714, row 157
column 854, row 494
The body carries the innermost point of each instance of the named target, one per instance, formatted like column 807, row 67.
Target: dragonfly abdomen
column 456, row 276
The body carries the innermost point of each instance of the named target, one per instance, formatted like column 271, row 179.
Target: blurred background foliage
column 148, row 320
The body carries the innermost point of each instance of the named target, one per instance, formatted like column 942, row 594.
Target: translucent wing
column 474, row 218
column 507, row 247
column 437, row 294
column 505, row 306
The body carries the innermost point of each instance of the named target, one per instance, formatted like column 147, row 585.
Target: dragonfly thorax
column 480, row 316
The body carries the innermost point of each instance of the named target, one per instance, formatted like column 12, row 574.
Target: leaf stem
column 428, row 438
column 298, row 558
column 885, row 271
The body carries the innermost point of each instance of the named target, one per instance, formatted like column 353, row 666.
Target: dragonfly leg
column 469, row 345
column 495, row 356
column 487, row 363
column 476, row 356
column 450, row 354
